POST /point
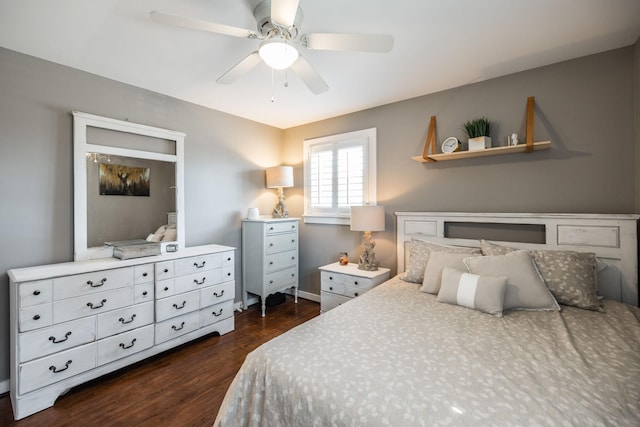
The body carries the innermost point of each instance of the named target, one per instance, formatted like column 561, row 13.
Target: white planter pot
column 479, row 143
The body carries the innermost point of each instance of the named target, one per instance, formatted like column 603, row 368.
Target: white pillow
column 483, row 293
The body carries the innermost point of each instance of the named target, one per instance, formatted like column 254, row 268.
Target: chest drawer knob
column 229, row 274
column 124, row 322
column 179, row 307
column 229, row 259
column 123, row 346
column 166, row 270
column 145, row 274
column 217, row 314
column 177, row 328
column 36, row 317
column 57, row 341
column 330, row 277
column 200, row 282
column 218, row 295
column 166, row 288
column 271, row 282
column 96, row 285
column 270, row 228
column 93, row 307
column 196, row 265
column 270, row 262
column 56, row 370
column 36, row 292
column 144, row 294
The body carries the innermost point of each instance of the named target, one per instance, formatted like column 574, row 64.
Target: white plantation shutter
column 339, row 173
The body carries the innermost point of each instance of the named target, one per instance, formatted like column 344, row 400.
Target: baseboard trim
column 4, row 386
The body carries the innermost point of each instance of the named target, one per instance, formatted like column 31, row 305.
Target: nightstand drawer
column 281, row 227
column 331, row 277
column 281, row 260
column 358, row 282
column 353, row 291
column 336, row 288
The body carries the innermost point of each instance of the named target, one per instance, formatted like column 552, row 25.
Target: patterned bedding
column 396, row 356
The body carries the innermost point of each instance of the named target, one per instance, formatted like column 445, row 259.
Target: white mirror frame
column 80, row 149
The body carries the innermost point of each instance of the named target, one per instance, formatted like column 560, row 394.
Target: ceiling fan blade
column 309, row 76
column 242, row 67
column 283, row 12
column 198, row 24
column 352, row 42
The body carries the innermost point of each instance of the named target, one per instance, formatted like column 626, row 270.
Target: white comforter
column 395, row 356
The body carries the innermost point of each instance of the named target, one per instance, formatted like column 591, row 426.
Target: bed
column 399, row 355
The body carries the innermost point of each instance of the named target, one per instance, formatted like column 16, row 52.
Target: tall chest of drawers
column 73, row 322
column 269, row 257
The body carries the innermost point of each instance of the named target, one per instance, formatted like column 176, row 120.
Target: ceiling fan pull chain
column 286, row 77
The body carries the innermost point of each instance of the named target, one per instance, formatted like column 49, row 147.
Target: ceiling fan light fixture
column 277, row 53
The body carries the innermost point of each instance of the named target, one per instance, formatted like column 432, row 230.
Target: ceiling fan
column 278, row 24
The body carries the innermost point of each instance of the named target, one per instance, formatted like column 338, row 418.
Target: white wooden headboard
column 613, row 238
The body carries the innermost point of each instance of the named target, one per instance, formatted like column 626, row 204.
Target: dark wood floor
column 181, row 387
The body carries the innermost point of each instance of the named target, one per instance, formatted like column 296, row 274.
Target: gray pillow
column 572, row 277
column 438, row 260
column 419, row 251
column 483, row 293
column 525, row 288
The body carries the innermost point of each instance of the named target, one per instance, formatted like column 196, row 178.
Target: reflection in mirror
column 120, row 209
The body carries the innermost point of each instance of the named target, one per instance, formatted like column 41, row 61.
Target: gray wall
column 584, row 106
column 636, row 77
column 225, row 157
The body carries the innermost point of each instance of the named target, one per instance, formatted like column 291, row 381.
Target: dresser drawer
column 34, row 317
column 281, row 227
column 143, row 273
column 228, row 259
column 177, row 305
column 89, row 283
column 165, row 288
column 218, row 293
column 336, row 288
column 197, row 264
column 34, row 293
column 216, row 313
column 164, row 270
column 177, row 326
column 143, row 293
column 122, row 345
column 281, row 260
column 281, row 279
column 86, row 305
column 118, row 321
column 57, row 367
column 330, row 277
column 281, row 243
column 198, row 280
column 56, row 338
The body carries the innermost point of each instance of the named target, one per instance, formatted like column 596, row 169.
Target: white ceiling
column 438, row 45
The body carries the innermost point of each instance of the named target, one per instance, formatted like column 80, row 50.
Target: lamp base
column 367, row 260
column 280, row 210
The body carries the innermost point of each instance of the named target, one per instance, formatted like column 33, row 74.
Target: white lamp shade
column 277, row 53
column 280, row 176
column 367, row 218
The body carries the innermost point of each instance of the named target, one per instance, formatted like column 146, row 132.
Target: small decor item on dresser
column 128, row 249
column 344, row 258
column 478, row 131
column 367, row 219
column 253, row 213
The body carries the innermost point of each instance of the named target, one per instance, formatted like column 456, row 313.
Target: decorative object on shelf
column 478, row 131
column 450, row 145
column 528, row 147
column 253, row 213
column 280, row 177
column 367, row 219
column 512, row 139
column 344, row 258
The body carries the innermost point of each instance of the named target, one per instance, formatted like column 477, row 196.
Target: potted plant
column 478, row 131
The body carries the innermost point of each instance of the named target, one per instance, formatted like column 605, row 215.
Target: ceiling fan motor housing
column 266, row 27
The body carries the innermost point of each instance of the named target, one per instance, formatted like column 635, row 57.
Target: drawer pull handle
column 215, row 294
column 270, row 228
column 293, row 227
column 36, row 292
column 56, row 370
column 355, row 283
column 145, row 274
column 66, row 337
column 195, row 264
column 355, row 293
column 144, row 294
column 166, row 270
column 36, row 317
column 293, row 257
column 330, row 277
column 96, row 285
column 124, row 322
column 270, row 245
column 270, row 262
column 166, row 288
column 128, row 346
column 177, row 328
column 200, row 282
column 217, row 314
column 229, row 274
column 293, row 240
column 330, row 288
column 293, row 275
column 93, row 307
column 180, row 307
column 271, row 282
column 229, row 259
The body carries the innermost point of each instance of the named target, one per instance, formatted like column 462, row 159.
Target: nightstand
column 340, row 283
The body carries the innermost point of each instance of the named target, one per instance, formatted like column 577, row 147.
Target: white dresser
column 269, row 257
column 340, row 283
column 76, row 321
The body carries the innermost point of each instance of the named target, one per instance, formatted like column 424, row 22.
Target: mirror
column 127, row 184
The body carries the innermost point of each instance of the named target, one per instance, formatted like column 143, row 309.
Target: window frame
column 368, row 138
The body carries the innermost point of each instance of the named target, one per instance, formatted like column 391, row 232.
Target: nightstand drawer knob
column 356, row 294
column 144, row 294
column 330, row 288
column 356, row 282
column 36, row 293
column 270, row 262
column 166, row 288
column 271, row 282
column 166, row 270
column 36, row 317
column 330, row 277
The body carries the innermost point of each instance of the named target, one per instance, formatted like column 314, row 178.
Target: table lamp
column 280, row 177
column 367, row 219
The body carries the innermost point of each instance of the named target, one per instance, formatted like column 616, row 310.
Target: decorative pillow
column 483, row 293
column 525, row 288
column 437, row 261
column 419, row 251
column 572, row 277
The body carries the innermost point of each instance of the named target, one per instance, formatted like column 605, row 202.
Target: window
column 339, row 172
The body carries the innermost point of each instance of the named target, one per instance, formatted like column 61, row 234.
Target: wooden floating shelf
column 495, row 151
